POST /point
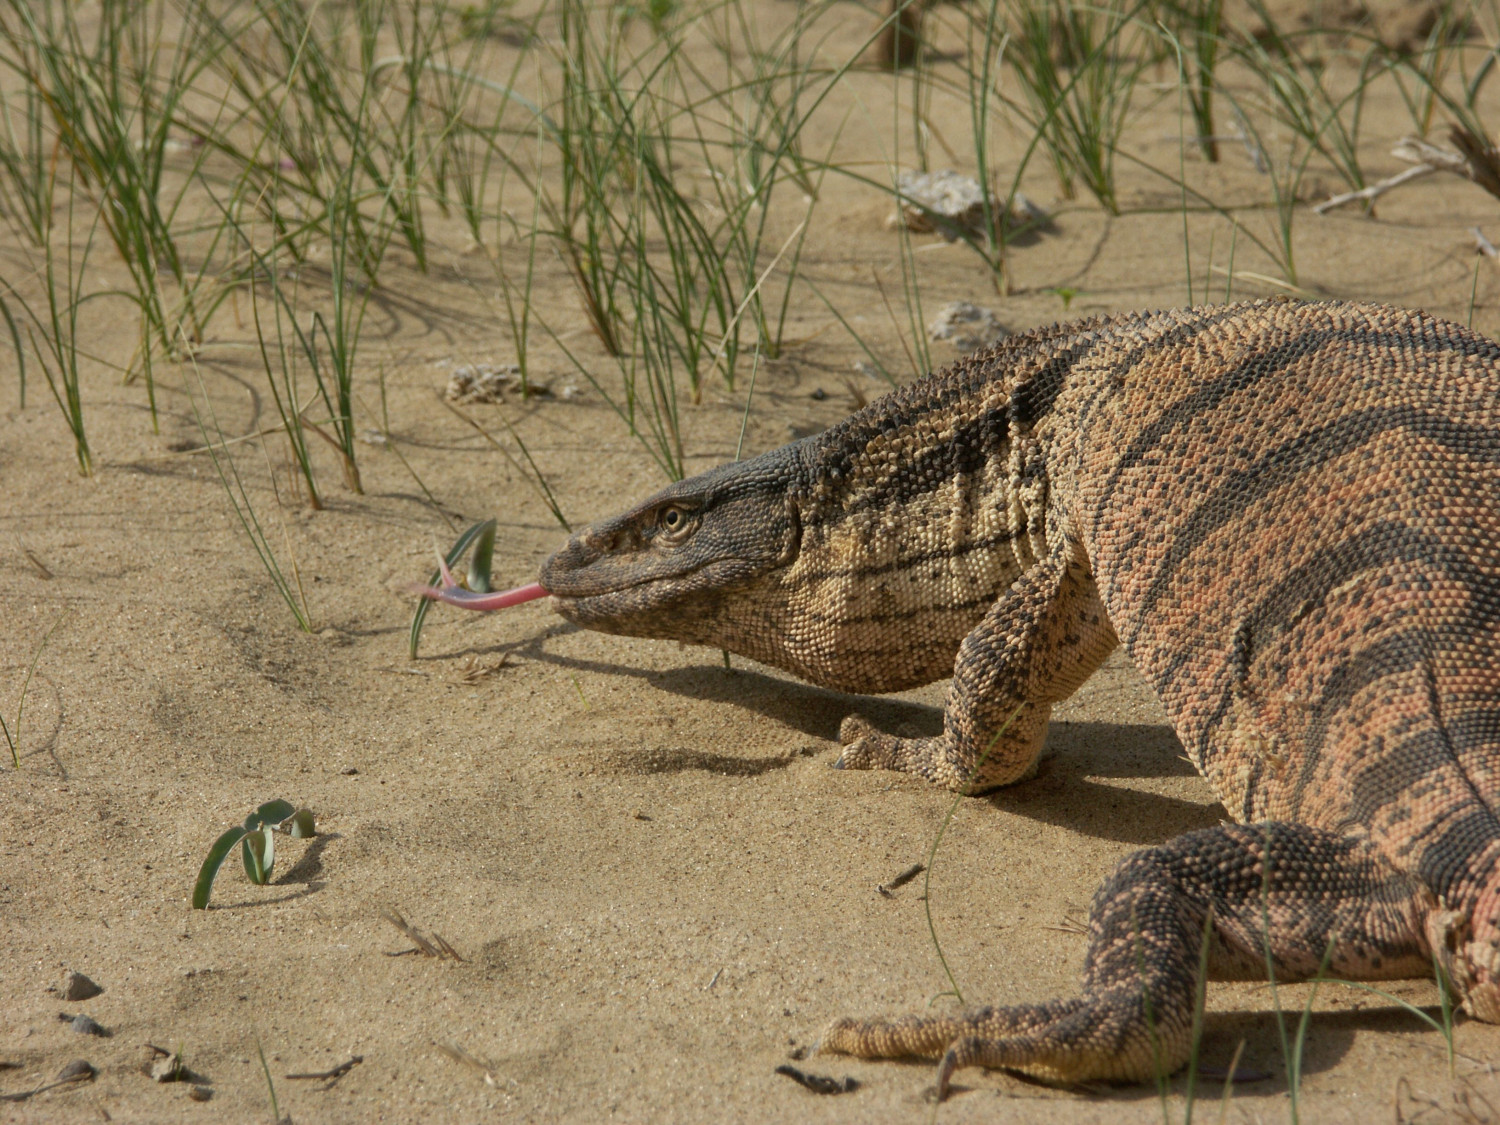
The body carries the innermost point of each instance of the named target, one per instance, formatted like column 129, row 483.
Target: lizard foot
column 941, row 760
column 1481, row 997
column 1153, row 922
column 1062, row 1042
column 866, row 747
column 1471, row 967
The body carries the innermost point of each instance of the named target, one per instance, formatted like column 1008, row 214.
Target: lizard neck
column 917, row 513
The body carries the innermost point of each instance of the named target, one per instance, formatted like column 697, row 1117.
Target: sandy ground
column 658, row 888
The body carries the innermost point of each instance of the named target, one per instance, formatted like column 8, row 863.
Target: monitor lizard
column 1289, row 515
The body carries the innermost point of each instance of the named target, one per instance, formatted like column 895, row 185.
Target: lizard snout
column 607, row 538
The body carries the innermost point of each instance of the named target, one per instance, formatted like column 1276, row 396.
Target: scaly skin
column 1289, row 514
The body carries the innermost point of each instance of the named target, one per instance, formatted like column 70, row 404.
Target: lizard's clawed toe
column 854, row 728
column 867, row 747
column 855, row 756
column 859, row 738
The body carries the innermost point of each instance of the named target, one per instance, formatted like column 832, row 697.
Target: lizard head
column 693, row 563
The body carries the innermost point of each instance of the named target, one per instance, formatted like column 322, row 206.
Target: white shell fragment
column 952, row 205
column 966, row 326
column 484, row 382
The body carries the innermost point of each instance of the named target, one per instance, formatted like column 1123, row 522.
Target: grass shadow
column 309, row 864
column 308, row 889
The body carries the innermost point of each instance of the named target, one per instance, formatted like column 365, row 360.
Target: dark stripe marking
column 1377, row 546
column 1392, row 775
column 1178, row 336
column 1257, row 367
column 911, row 562
column 839, row 618
column 1446, row 860
column 1304, row 453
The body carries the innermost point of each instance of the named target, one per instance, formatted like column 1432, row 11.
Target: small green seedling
column 482, row 537
column 1064, row 293
column 478, row 594
column 257, row 840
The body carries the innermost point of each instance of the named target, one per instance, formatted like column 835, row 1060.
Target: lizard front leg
column 1038, row 643
column 1295, row 898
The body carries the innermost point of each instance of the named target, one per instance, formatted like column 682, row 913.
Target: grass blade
column 215, row 859
column 456, row 552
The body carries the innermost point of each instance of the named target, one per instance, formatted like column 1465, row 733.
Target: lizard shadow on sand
column 1067, row 791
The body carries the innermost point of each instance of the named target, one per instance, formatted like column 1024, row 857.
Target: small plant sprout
column 1064, row 293
column 257, row 840
column 478, row 593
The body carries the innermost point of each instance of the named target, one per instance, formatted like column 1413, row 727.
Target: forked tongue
column 452, row 593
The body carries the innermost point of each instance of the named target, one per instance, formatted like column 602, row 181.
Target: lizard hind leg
column 1304, row 898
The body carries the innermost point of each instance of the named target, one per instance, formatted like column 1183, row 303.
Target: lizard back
column 1293, row 516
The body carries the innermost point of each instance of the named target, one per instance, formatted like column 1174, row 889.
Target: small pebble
column 168, row 1068
column 76, row 1071
column 200, row 1093
column 966, row 326
column 485, row 382
column 819, row 394
column 86, row 1026
column 78, row 987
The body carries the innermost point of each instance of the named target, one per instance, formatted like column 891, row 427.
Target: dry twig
column 330, row 1077
column 427, row 945
column 458, row 1054
column 900, row 880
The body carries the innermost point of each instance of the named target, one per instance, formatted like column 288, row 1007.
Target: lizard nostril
column 602, row 541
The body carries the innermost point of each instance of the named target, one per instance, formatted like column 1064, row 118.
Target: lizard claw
column 866, row 747
column 852, row 732
column 950, row 1062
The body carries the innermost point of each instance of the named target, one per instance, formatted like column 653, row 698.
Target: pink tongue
column 467, row 599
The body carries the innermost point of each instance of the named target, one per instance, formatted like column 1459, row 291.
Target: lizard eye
column 673, row 520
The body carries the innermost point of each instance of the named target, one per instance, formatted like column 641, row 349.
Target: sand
column 657, row 888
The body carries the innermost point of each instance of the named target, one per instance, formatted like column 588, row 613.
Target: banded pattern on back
column 1316, row 566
